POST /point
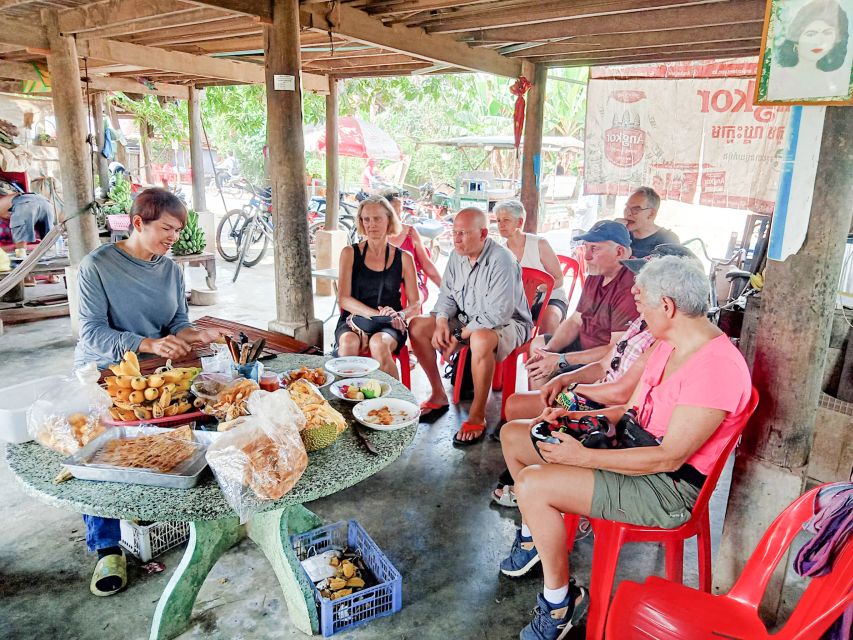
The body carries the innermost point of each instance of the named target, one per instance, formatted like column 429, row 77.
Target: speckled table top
column 330, row 470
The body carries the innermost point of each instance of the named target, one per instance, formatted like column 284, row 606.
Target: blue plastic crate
column 351, row 611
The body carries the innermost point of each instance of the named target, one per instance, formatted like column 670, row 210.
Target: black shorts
column 399, row 336
column 537, row 307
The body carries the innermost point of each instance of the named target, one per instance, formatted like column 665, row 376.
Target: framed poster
column 806, row 53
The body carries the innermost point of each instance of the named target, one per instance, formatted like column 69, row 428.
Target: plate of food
column 358, row 389
column 351, row 366
column 317, row 377
column 386, row 414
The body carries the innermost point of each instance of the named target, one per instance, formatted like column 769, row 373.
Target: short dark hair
column 828, row 11
column 152, row 203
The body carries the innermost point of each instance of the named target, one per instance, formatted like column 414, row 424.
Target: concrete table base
column 210, row 539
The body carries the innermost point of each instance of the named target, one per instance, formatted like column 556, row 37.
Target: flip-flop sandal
column 430, row 411
column 507, row 497
column 111, row 566
column 468, row 427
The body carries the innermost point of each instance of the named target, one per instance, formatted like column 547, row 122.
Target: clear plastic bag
column 68, row 416
column 263, row 458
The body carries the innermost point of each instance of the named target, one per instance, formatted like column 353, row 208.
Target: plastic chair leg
column 674, row 560
column 510, row 373
column 605, row 558
column 460, row 373
column 497, row 378
column 703, row 546
column 405, row 370
column 571, row 522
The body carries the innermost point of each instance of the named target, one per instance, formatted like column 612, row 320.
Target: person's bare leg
column 482, row 344
column 524, row 405
column 551, row 319
column 537, row 343
column 381, row 349
column 420, row 336
column 544, row 493
column 349, row 344
column 517, row 447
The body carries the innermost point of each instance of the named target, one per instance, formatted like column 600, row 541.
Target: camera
column 593, row 432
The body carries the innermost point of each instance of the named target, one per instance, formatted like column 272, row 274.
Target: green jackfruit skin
column 319, row 437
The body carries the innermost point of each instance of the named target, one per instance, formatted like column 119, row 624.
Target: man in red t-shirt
column 605, row 309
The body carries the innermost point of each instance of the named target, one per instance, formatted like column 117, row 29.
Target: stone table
column 214, row 527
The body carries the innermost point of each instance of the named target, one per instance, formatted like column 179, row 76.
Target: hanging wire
column 90, row 136
column 210, row 154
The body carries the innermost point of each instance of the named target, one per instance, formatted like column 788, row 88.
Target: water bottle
column 59, row 247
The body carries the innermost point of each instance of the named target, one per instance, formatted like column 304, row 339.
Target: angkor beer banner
column 691, row 134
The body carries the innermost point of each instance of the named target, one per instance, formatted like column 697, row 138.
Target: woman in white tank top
column 534, row 252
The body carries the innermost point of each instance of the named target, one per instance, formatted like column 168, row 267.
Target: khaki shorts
column 510, row 336
column 653, row 500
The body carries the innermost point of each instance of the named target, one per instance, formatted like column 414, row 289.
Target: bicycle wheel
column 228, row 234
column 244, row 242
column 255, row 250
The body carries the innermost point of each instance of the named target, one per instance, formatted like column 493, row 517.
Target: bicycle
column 739, row 289
column 317, row 221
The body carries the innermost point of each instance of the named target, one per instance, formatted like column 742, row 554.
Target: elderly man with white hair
column 533, row 252
column 691, row 397
column 481, row 304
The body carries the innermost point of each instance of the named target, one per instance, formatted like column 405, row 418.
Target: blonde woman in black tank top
column 373, row 275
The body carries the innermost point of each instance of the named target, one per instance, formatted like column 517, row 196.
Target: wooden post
column 145, row 145
column 196, row 154
column 531, row 162
column 331, row 241
column 790, row 350
column 332, row 185
column 282, row 60
column 101, row 162
column 71, row 133
column 121, row 150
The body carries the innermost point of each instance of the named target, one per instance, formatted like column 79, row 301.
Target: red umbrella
column 357, row 138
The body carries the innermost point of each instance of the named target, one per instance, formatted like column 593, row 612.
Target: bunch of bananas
column 137, row 397
column 192, row 238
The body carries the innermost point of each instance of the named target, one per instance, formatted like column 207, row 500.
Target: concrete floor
column 429, row 512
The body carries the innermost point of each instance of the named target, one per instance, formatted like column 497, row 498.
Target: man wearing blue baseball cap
column 605, row 309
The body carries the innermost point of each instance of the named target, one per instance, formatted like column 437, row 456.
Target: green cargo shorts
column 653, row 500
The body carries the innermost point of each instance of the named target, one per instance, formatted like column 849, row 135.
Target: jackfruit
column 315, row 438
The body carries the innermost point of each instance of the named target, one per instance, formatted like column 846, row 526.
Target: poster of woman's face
column 806, row 53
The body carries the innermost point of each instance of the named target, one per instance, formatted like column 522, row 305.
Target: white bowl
column 351, row 366
column 335, row 388
column 404, row 413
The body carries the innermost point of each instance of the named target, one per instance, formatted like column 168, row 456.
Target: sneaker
column 522, row 557
column 553, row 622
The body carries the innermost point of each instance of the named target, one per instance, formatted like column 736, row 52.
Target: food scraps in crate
column 362, row 391
column 323, row 424
column 158, row 395
column 351, row 575
column 230, row 403
column 162, row 452
column 316, row 376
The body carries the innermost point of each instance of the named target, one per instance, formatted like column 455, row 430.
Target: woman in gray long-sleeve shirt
column 132, row 298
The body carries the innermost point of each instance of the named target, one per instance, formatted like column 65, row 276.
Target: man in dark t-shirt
column 641, row 209
column 605, row 309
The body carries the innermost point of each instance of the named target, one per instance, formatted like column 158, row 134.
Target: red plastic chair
column 570, row 264
column 669, row 611
column 532, row 279
column 582, row 263
column 610, row 536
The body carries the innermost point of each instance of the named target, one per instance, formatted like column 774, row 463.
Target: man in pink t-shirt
column 693, row 395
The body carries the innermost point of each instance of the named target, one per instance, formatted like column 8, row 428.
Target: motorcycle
column 227, row 182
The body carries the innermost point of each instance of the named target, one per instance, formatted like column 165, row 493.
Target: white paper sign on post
column 284, row 82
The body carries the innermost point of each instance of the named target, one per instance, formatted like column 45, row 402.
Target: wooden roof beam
column 546, row 12
column 142, row 28
column 97, row 15
column 178, row 62
column 630, row 41
column 699, row 53
column 731, row 12
column 17, row 70
column 23, row 33
column 357, row 26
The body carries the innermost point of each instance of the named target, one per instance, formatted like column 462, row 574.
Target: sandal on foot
column 507, row 497
column 468, row 427
column 431, row 411
column 112, row 566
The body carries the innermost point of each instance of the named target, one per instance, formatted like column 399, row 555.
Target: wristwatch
column 457, row 333
column 562, row 362
column 572, row 386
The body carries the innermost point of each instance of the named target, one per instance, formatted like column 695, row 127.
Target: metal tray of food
column 185, row 476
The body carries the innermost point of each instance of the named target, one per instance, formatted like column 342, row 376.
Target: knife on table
column 356, row 429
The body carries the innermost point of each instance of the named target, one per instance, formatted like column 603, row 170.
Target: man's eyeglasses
column 620, row 349
column 635, row 209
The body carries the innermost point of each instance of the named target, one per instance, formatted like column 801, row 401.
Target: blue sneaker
column 554, row 621
column 522, row 557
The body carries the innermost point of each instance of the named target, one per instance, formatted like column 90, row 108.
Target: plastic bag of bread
column 68, row 416
column 262, row 458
